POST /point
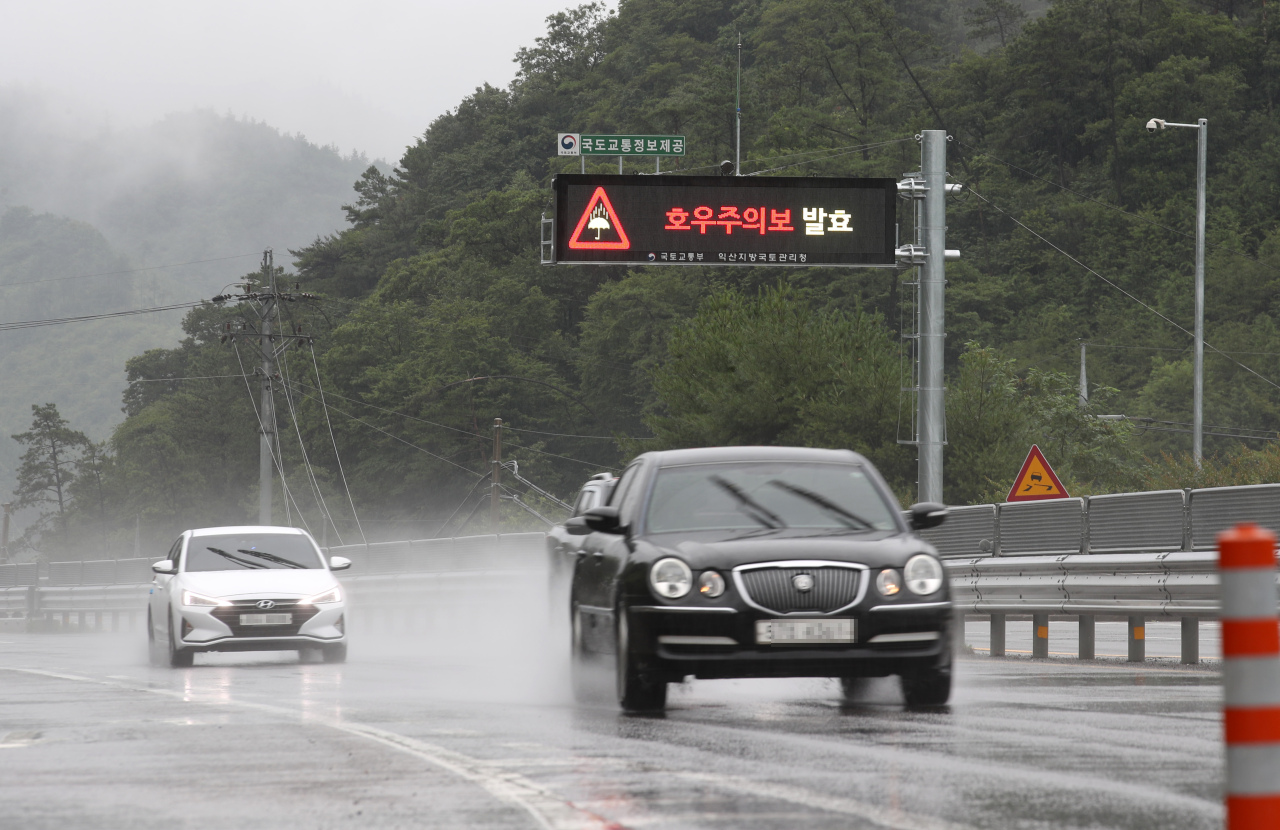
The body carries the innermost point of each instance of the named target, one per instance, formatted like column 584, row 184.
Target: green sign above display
column 622, row 145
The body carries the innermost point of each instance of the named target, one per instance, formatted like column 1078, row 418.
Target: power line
column 125, row 271
column 192, row 377
column 338, row 458
column 57, row 321
column 390, row 435
column 1117, row 208
column 1046, row 241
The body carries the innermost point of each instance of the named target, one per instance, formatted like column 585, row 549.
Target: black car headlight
column 923, row 574
column 670, row 578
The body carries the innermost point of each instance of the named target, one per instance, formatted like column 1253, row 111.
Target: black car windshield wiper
column 244, row 563
column 754, row 509
column 271, row 557
column 851, row 520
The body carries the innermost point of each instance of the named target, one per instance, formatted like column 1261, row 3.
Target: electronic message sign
column 724, row 220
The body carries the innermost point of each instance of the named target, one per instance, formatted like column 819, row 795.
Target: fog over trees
column 434, row 317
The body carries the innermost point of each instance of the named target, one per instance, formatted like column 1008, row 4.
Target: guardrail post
column 1190, row 640
column 997, row 635
column 1088, row 638
column 1137, row 639
column 1040, row 635
column 1251, row 676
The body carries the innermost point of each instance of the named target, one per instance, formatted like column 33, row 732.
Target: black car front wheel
column 927, row 688
column 638, row 690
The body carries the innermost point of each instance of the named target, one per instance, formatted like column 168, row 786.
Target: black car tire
column 927, row 688
column 179, row 658
column 335, row 653
column 155, row 652
column 581, row 668
column 854, row 689
column 637, row 691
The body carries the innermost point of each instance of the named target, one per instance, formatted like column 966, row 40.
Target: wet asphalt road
column 470, row 726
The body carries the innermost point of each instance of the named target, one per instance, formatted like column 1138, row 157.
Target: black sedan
column 758, row 562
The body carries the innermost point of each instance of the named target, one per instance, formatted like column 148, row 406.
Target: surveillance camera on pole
column 1155, row 124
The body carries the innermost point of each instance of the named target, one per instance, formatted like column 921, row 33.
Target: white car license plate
column 804, row 632
column 266, row 619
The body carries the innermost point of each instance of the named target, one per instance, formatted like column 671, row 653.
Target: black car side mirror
column 577, row 526
column 927, row 514
column 603, row 519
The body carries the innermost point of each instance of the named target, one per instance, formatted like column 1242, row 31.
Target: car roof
column 234, row 530
column 713, row 455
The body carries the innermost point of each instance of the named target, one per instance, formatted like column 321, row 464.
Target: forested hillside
column 1075, row 225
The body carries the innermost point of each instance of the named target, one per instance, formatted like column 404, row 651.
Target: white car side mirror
column 165, row 566
column 339, row 563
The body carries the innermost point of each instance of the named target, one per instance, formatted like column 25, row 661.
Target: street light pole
column 1197, row 389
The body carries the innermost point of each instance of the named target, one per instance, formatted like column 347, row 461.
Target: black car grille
column 230, row 615
column 775, row 590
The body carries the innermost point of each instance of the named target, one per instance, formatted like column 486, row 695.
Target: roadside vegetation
column 436, row 317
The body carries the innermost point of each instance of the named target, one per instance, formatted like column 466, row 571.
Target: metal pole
column 266, row 441
column 1197, row 402
column 4, row 534
column 1084, row 378
column 932, row 414
column 737, row 104
column 495, row 481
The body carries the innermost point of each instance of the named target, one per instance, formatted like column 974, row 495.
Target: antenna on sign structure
column 737, row 139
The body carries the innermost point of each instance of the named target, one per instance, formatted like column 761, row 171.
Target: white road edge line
column 548, row 810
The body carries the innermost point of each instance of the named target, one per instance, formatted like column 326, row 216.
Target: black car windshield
column 767, row 495
column 251, row 551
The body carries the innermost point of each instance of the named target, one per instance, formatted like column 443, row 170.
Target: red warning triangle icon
column 599, row 218
column 1036, row 480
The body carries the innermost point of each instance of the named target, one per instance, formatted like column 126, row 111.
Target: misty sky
column 368, row 76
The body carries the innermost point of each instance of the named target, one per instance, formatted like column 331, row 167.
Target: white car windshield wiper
column 244, row 563
column 754, row 509
column 850, row 520
column 271, row 557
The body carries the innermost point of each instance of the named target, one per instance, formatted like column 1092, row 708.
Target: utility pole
column 270, row 345
column 737, row 104
column 495, row 496
column 267, row 413
column 1084, row 378
column 933, row 280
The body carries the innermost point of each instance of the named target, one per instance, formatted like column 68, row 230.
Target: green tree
column 48, row 465
column 774, row 370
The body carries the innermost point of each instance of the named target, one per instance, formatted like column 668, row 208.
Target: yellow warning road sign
column 1036, row 481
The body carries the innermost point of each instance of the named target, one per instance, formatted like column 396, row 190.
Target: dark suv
column 758, row 562
column 563, row 547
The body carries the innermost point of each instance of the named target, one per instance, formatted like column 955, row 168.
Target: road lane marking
column 547, row 809
column 884, row 816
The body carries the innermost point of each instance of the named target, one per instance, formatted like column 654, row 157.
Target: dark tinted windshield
column 776, row 495
column 250, row 551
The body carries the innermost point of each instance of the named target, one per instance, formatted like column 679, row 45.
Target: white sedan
column 246, row 589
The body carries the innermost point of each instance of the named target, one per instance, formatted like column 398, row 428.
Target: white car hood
column 283, row 582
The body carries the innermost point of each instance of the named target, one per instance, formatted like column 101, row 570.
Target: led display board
column 725, row 220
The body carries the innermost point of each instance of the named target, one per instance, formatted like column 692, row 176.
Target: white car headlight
column 670, row 578
column 331, row 595
column 193, row 599
column 923, row 574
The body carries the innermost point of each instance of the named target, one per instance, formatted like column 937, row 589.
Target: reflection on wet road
column 472, row 727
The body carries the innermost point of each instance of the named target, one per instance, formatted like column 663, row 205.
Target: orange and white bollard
column 1251, row 676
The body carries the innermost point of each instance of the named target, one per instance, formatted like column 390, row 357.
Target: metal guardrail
column 387, row 580
column 1158, row 521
